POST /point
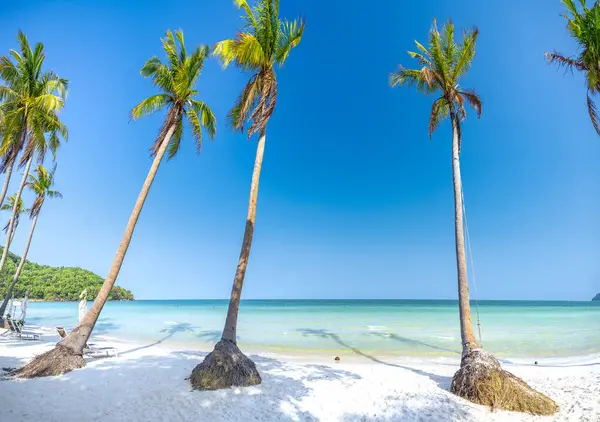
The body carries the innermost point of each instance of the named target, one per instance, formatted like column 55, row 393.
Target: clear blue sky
column 355, row 201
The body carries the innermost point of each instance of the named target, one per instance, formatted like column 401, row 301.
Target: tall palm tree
column 32, row 98
column 41, row 185
column 176, row 80
column 584, row 28
column 264, row 42
column 441, row 66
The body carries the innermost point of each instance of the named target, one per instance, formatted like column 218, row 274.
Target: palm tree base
column 57, row 361
column 482, row 380
column 224, row 367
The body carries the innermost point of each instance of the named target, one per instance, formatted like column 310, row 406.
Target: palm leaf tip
column 593, row 112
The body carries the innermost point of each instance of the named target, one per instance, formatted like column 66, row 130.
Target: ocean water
column 374, row 327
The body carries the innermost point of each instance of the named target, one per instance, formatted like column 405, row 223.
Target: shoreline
column 147, row 381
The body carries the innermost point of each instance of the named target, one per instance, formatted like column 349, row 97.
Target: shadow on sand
column 442, row 381
column 154, row 388
column 171, row 330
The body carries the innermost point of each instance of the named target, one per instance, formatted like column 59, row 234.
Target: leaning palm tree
column 32, row 98
column 441, row 66
column 176, row 79
column 41, row 185
column 265, row 41
column 584, row 28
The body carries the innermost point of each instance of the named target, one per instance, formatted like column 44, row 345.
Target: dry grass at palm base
column 57, row 361
column 482, row 380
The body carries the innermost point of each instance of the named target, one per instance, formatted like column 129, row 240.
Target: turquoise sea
column 376, row 327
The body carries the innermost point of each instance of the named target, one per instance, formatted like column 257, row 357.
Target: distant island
column 597, row 297
column 54, row 283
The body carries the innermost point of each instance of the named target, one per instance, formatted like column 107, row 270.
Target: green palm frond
column 442, row 62
column 291, row 35
column 466, row 53
column 206, row 117
column 176, row 81
column 264, row 42
column 149, row 105
column 175, row 142
column 409, row 78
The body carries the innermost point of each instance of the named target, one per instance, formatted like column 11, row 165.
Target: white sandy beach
column 147, row 383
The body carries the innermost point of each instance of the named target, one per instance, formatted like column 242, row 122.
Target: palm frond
column 439, row 111
column 473, row 99
column 206, row 117
column 466, row 53
column 175, row 141
column 290, row 37
column 411, row 77
column 243, row 4
column 593, row 112
column 149, row 105
column 566, row 62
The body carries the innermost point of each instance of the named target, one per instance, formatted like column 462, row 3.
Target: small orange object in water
column 337, row 358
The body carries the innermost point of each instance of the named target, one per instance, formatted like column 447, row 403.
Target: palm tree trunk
column 467, row 334
column 14, row 213
column 229, row 332
column 9, row 171
column 12, row 235
column 19, row 268
column 77, row 339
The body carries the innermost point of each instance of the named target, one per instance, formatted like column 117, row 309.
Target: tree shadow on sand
column 170, row 331
column 442, row 381
column 161, row 392
column 413, row 342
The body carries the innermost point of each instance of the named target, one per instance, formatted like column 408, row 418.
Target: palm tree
column 42, row 188
column 9, row 205
column 264, row 41
column 176, row 79
column 32, row 98
column 584, row 27
column 441, row 66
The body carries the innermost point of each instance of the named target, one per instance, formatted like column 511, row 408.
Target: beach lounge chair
column 91, row 349
column 17, row 331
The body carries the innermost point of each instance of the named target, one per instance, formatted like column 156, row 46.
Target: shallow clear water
column 399, row 327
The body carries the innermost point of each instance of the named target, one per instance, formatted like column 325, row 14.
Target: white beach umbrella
column 15, row 304
column 82, row 304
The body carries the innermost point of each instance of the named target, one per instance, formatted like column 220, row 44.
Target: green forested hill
column 54, row 283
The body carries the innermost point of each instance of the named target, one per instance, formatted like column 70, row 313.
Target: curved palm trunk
column 19, row 268
column 467, row 334
column 77, row 339
column 229, row 332
column 11, row 224
column 9, row 171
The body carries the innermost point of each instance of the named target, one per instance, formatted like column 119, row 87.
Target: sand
column 148, row 383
